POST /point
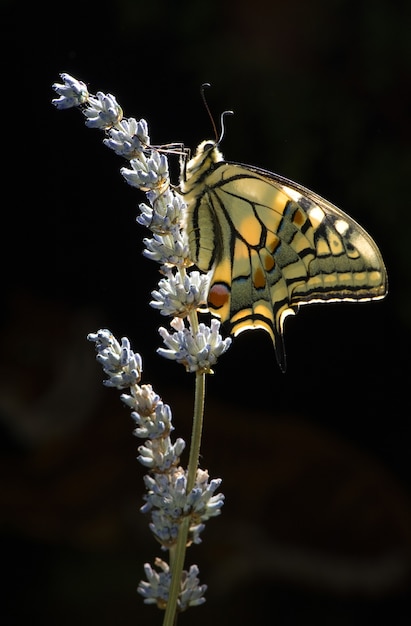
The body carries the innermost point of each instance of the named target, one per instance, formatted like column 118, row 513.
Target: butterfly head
column 204, row 160
column 206, row 155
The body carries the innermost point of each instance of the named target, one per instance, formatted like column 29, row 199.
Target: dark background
column 315, row 463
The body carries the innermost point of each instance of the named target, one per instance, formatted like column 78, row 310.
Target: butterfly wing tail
column 267, row 317
column 277, row 333
column 279, row 349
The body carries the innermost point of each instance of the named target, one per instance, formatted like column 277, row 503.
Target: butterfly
column 272, row 245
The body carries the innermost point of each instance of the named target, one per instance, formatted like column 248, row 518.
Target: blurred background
column 316, row 528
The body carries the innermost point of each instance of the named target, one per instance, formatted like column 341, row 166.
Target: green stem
column 178, row 552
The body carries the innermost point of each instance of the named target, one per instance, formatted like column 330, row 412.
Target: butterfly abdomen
column 204, row 233
column 203, row 226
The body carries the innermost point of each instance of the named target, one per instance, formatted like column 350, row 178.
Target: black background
column 315, row 463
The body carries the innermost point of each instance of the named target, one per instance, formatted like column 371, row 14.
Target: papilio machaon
column 272, row 245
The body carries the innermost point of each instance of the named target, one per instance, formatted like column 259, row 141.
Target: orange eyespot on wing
column 218, row 297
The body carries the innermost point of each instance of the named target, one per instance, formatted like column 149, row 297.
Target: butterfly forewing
column 272, row 245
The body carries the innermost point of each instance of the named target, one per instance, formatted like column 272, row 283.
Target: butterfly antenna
column 218, row 138
column 205, row 86
column 223, row 114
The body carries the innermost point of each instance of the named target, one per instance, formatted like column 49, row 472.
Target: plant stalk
column 177, row 553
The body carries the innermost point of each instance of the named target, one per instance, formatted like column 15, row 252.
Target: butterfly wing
column 274, row 245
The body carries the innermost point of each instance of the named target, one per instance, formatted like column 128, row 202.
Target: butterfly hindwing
column 272, row 246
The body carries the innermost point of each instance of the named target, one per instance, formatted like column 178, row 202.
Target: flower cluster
column 197, row 351
column 129, row 139
column 72, row 92
column 118, row 361
column 178, row 294
column 155, row 591
column 168, row 500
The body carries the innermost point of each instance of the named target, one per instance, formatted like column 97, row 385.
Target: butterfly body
column 272, row 245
